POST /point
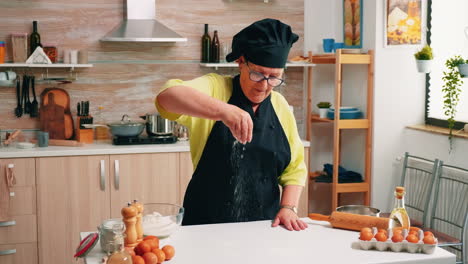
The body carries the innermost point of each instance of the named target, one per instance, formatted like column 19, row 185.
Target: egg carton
column 403, row 246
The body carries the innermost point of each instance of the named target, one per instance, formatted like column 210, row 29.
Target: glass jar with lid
column 118, row 254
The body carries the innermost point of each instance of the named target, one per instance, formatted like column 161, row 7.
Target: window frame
column 430, row 120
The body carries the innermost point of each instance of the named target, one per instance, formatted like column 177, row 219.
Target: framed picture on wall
column 403, row 23
column 352, row 23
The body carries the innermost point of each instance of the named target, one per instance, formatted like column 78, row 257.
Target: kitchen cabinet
column 72, row 195
column 82, row 191
column 18, row 235
column 149, row 178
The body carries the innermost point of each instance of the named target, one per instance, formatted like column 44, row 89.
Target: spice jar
column 51, row 52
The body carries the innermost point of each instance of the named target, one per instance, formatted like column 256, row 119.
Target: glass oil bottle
column 399, row 216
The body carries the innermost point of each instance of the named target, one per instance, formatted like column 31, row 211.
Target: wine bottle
column 206, row 46
column 34, row 39
column 215, row 48
column 399, row 216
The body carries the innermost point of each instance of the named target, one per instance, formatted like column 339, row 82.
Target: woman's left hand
column 289, row 219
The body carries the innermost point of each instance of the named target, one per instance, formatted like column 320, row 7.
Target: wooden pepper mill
column 129, row 214
column 139, row 226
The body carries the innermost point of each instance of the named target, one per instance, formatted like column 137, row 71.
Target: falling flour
column 239, row 183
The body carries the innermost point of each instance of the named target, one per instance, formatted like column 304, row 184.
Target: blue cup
column 43, row 139
column 328, row 45
column 338, row 45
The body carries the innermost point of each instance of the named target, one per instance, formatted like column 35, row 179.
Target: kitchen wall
column 127, row 76
column 398, row 99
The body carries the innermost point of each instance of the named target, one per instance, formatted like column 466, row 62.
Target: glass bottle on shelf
column 34, row 39
column 206, row 46
column 399, row 216
column 119, row 255
column 215, row 48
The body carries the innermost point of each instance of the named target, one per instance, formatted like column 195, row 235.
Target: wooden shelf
column 234, row 65
column 353, row 123
column 318, row 119
column 344, row 58
column 342, row 123
column 352, row 187
column 54, row 65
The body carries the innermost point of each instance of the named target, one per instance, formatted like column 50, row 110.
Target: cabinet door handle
column 7, row 223
column 117, row 174
column 103, row 176
column 7, row 252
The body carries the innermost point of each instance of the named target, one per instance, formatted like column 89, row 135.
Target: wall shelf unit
column 365, row 124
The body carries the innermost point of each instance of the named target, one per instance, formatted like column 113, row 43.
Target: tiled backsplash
column 127, row 76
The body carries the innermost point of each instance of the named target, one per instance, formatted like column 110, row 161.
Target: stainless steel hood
column 141, row 25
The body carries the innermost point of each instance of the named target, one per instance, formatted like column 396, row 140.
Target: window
column 446, row 24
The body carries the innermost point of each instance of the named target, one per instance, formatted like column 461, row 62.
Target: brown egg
column 412, row 239
column 366, row 229
column 366, row 236
column 381, row 237
column 429, row 240
column 428, row 233
column 160, row 254
column 150, row 258
column 138, row 260
column 397, row 238
column 169, row 251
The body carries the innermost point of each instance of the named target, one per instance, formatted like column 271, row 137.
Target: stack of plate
column 345, row 113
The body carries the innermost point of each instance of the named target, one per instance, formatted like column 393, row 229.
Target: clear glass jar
column 118, row 254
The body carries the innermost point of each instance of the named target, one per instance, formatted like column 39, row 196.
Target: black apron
column 235, row 182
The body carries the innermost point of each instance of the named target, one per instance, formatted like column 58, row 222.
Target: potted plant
column 451, row 90
column 424, row 59
column 323, row 108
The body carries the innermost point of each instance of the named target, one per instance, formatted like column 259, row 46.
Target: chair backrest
column 418, row 178
column 450, row 206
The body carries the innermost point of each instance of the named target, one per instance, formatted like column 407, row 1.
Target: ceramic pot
column 424, row 66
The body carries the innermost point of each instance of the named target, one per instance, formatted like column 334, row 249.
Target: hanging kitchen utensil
column 27, row 102
column 19, row 108
column 34, row 105
column 23, row 95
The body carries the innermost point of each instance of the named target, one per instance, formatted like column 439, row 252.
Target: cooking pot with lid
column 359, row 209
column 122, row 128
column 156, row 125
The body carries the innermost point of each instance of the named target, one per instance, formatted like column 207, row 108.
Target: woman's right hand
column 239, row 122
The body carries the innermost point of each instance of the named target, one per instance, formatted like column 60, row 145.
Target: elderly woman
column 243, row 137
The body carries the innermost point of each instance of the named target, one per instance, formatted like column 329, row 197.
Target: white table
column 257, row 242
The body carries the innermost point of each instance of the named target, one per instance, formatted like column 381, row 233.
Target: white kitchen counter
column 97, row 148
column 257, row 242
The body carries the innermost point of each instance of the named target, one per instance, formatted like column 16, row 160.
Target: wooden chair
column 418, row 179
column 449, row 215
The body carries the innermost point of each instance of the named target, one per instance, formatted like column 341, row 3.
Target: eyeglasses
column 258, row 77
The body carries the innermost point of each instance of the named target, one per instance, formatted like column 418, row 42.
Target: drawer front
column 23, row 201
column 24, row 170
column 20, row 229
column 19, row 253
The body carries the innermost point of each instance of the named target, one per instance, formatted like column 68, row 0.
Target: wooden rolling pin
column 352, row 221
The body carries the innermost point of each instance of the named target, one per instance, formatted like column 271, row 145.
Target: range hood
column 141, row 25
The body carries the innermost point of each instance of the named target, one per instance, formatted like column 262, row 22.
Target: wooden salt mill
column 139, row 226
column 129, row 214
